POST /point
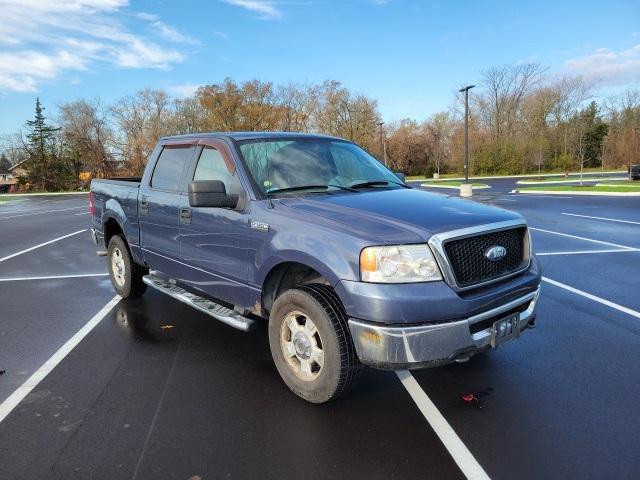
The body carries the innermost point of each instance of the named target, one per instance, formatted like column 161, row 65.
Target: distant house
column 10, row 177
column 4, row 175
column 19, row 170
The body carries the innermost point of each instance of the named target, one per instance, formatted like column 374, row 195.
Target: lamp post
column 465, row 188
column 383, row 152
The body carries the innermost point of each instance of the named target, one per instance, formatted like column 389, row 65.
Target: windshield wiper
column 375, row 183
column 307, row 187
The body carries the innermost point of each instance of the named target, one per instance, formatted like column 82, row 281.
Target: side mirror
column 211, row 193
column 401, row 176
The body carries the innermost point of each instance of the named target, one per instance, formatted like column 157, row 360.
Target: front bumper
column 398, row 347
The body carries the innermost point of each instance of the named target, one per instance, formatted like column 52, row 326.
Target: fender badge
column 260, row 226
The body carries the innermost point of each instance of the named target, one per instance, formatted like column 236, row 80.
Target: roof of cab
column 239, row 136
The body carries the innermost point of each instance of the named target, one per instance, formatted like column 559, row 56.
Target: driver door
column 213, row 240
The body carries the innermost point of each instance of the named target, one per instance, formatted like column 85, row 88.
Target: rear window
column 166, row 175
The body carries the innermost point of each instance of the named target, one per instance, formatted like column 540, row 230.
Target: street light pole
column 383, row 153
column 466, row 191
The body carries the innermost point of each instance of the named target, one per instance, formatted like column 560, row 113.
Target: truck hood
column 399, row 215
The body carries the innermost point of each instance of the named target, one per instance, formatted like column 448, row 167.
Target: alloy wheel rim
column 301, row 346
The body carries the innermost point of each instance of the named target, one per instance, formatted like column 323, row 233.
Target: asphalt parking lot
column 151, row 389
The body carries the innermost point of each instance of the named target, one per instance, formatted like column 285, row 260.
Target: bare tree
column 572, row 93
column 86, row 134
column 141, row 120
column 298, row 104
column 505, row 89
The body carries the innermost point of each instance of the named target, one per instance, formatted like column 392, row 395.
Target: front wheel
column 311, row 344
column 126, row 275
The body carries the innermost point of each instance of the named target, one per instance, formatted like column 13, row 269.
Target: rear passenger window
column 211, row 166
column 168, row 170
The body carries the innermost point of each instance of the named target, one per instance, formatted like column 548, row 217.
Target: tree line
column 520, row 121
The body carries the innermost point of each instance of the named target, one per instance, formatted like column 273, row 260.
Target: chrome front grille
column 462, row 254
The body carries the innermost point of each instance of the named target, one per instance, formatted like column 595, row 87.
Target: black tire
column 341, row 369
column 127, row 281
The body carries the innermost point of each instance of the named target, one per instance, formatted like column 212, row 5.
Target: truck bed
column 119, row 196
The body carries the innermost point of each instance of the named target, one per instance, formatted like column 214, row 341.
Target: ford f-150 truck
column 347, row 264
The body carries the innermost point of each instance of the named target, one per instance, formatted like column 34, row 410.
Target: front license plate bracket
column 504, row 330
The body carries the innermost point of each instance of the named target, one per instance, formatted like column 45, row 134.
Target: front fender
column 335, row 260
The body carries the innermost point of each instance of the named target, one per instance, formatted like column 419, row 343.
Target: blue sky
column 410, row 55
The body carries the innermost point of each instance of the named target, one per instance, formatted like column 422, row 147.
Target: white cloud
column 265, row 8
column 184, row 90
column 221, row 34
column 608, row 66
column 41, row 40
column 149, row 17
column 171, row 34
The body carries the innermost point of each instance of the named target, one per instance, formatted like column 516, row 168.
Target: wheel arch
column 286, row 275
column 111, row 227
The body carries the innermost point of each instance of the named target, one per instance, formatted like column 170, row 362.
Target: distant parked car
column 634, row 172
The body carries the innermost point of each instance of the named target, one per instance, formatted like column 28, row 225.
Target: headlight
column 398, row 264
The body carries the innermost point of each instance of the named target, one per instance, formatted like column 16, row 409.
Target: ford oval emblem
column 495, row 253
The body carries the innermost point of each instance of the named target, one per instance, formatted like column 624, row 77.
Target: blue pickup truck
column 347, row 264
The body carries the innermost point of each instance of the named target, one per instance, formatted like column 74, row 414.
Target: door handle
column 144, row 206
column 185, row 216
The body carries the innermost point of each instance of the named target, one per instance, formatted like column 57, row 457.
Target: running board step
column 204, row 305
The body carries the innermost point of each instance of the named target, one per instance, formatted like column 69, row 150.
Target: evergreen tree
column 41, row 149
column 592, row 131
column 5, row 165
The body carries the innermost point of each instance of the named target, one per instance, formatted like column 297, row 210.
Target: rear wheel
column 126, row 275
column 311, row 344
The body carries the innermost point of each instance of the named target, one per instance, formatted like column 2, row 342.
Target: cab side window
column 211, row 166
column 168, row 169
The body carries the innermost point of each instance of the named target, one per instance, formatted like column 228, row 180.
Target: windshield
column 298, row 165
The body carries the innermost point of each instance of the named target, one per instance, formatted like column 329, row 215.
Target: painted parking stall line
column 32, row 382
column 624, row 247
column 53, row 277
column 42, row 212
column 602, row 218
column 41, row 245
column 587, row 252
column 603, row 301
column 452, row 442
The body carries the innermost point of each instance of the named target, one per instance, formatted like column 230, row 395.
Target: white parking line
column 458, row 450
column 582, row 252
column 81, row 213
column 583, row 238
column 32, row 382
column 602, row 218
column 615, row 306
column 54, row 277
column 41, row 245
column 42, row 212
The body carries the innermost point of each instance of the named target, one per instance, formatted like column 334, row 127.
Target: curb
column 431, row 185
column 530, row 175
column 535, row 182
column 614, row 185
column 569, row 192
column 40, row 194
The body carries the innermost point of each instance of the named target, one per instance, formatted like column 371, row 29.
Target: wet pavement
column 158, row 390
